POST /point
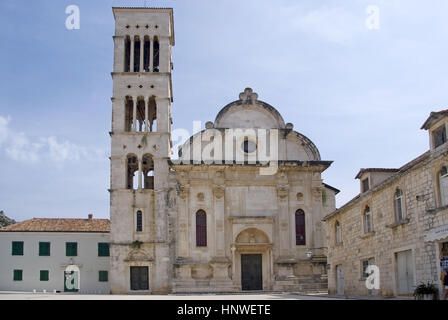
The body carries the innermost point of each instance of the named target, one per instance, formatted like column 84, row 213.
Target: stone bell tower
column 141, row 142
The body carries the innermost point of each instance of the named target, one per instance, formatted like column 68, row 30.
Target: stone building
column 242, row 206
column 398, row 222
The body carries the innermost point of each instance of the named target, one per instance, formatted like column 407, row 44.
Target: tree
column 4, row 220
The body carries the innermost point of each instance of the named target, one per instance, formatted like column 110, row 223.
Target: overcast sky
column 360, row 94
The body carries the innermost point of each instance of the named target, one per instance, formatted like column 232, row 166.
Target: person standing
column 445, row 284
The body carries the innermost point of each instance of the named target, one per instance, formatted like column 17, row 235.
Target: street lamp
column 309, row 253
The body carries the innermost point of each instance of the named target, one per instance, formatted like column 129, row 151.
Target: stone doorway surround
column 252, row 235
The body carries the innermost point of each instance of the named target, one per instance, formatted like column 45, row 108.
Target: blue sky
column 360, row 95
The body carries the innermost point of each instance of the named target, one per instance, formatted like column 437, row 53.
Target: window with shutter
column 399, row 205
column 103, row 276
column 338, row 232
column 443, row 184
column 367, row 220
column 44, row 248
column 201, row 229
column 44, row 275
column 71, row 249
column 17, row 248
column 439, row 136
column 103, row 249
column 18, row 275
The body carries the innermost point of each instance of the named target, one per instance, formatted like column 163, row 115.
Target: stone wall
column 422, row 212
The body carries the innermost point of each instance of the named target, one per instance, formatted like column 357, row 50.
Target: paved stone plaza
column 264, row 296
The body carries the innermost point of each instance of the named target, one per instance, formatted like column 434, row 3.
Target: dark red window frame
column 300, row 228
column 201, row 228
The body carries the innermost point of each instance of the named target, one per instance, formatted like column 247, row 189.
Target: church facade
column 239, row 209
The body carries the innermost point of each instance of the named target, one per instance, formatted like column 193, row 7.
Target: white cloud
column 3, row 129
column 18, row 146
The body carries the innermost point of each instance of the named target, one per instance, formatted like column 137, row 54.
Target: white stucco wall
column 31, row 263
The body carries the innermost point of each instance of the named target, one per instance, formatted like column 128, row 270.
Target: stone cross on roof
column 248, row 96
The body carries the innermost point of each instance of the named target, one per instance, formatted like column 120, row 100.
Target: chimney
column 90, row 216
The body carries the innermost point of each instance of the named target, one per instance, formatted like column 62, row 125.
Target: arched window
column 132, row 169
column 127, row 54
column 156, row 49
column 152, row 114
column 129, row 109
column 139, row 221
column 338, row 232
column 300, row 228
column 201, row 229
column 148, row 171
column 146, row 48
column 443, row 185
column 140, row 121
column 368, row 227
column 398, row 200
column 137, row 44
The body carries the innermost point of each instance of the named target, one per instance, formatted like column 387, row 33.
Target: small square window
column 18, row 275
column 103, row 249
column 103, row 276
column 44, row 249
column 439, row 136
column 17, row 248
column 365, row 185
column 364, row 265
column 71, row 249
column 44, row 275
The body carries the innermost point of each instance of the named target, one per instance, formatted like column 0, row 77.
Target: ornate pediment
column 248, row 96
column 138, row 254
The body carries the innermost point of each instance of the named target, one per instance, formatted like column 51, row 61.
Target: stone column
column 284, row 221
column 184, row 240
column 146, row 114
column 139, row 173
column 142, row 46
column 131, row 63
column 218, row 192
column 233, row 264
column 151, row 53
column 134, row 114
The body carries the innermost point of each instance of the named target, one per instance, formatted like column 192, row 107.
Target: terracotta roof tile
column 59, row 225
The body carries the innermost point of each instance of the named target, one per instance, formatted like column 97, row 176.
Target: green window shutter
column 103, row 276
column 71, row 249
column 17, row 248
column 44, row 248
column 18, row 275
column 103, row 249
column 44, row 275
